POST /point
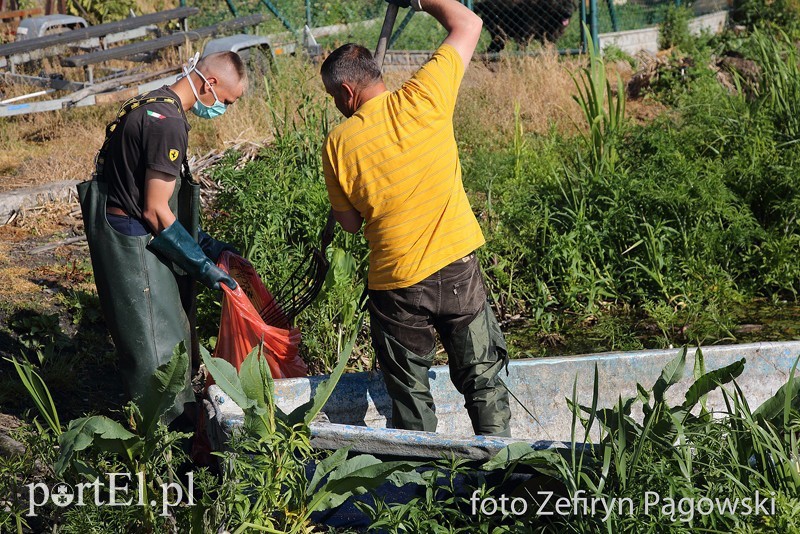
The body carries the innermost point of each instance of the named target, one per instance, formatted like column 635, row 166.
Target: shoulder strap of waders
column 130, row 105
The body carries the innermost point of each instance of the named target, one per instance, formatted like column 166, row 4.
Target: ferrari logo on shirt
column 173, row 154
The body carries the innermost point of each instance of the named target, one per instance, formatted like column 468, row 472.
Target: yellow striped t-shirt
column 396, row 162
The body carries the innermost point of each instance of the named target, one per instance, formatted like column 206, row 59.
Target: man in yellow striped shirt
column 393, row 166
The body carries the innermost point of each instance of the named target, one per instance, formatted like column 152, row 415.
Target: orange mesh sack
column 242, row 328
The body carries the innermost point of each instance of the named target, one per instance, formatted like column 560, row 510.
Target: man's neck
column 184, row 91
column 368, row 93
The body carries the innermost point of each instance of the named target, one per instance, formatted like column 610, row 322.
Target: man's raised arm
column 462, row 25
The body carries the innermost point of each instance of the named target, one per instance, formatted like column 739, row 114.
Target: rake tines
column 299, row 290
column 303, row 285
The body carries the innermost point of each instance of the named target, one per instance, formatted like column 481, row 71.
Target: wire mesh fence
column 510, row 26
column 624, row 15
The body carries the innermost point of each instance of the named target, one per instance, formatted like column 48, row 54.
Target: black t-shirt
column 152, row 136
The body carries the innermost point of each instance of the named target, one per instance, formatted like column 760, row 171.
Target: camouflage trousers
column 404, row 322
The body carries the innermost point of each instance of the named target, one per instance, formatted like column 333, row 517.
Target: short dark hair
column 223, row 62
column 350, row 63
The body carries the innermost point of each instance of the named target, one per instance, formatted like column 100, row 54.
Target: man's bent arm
column 462, row 25
column 158, row 189
column 350, row 220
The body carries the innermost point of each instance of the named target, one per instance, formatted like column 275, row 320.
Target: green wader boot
column 146, row 301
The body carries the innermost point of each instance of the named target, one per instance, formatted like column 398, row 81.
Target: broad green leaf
column 711, row 381
column 511, row 454
column 544, row 461
column 163, row 386
column 401, row 478
column 343, row 265
column 81, row 435
column 226, row 378
column 699, row 364
column 326, row 466
column 309, row 410
column 670, row 375
column 356, row 476
column 773, row 409
column 251, row 379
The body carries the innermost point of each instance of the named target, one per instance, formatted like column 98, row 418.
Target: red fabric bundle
column 241, row 327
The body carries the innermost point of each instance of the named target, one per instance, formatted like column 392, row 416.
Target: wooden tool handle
column 386, row 33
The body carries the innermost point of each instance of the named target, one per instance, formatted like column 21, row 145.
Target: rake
column 305, row 283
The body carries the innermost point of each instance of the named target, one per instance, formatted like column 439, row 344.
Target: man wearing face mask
column 141, row 214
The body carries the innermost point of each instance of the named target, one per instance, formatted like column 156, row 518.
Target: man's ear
column 347, row 90
column 212, row 80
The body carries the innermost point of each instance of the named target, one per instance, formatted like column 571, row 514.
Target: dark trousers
column 451, row 302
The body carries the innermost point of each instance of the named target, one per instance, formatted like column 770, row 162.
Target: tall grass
column 681, row 219
column 674, row 223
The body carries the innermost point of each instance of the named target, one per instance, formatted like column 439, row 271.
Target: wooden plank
column 175, row 39
column 83, row 34
column 20, row 13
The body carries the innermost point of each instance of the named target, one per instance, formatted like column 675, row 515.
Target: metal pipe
column 25, row 97
column 594, row 26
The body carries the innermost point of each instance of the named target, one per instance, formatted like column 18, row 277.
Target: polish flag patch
column 156, row 115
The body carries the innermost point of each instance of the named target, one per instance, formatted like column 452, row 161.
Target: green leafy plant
column 41, row 334
column 40, row 394
column 674, row 30
column 680, row 450
column 146, row 448
column 96, row 12
column 272, row 492
column 603, row 110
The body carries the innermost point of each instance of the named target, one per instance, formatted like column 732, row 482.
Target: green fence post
column 401, row 27
column 612, row 11
column 277, row 13
column 231, row 8
column 594, row 25
column 584, row 25
column 308, row 13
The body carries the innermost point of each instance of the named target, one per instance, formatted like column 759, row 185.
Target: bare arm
column 158, row 189
column 350, row 220
column 462, row 25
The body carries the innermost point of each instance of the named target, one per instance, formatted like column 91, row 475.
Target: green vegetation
column 692, row 459
column 624, row 234
column 658, row 233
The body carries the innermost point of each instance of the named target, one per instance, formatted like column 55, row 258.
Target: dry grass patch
column 46, row 147
column 15, row 283
column 541, row 85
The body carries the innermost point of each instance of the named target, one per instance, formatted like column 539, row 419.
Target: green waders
column 452, row 303
column 148, row 303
